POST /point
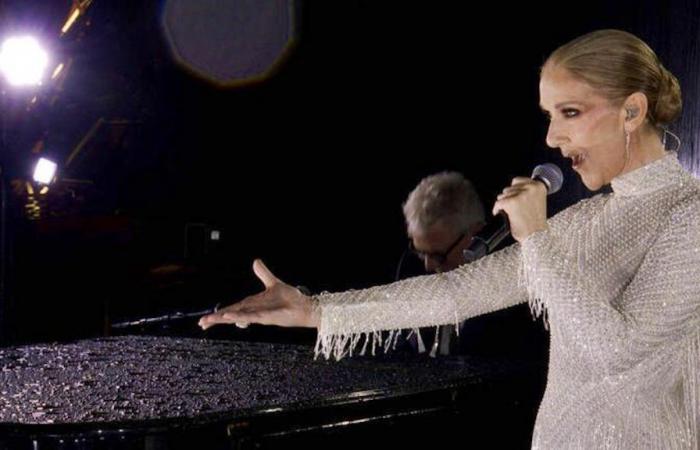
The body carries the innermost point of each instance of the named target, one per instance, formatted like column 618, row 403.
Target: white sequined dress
column 617, row 278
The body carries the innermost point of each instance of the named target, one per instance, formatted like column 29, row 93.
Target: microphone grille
column 551, row 175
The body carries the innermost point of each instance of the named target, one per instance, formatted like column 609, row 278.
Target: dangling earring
column 631, row 114
column 627, row 151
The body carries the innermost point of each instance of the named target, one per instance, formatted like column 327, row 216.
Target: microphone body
column 486, row 240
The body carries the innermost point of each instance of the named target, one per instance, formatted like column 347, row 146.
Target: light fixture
column 72, row 17
column 78, row 8
column 23, row 61
column 45, row 171
column 57, row 70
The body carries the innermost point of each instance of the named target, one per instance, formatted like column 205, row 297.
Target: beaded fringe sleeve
column 374, row 317
column 617, row 278
column 356, row 320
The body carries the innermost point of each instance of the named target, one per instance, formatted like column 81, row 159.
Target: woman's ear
column 635, row 111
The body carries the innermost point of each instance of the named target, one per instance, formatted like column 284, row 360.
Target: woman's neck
column 645, row 147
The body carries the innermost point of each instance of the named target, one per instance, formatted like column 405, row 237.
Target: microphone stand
column 171, row 317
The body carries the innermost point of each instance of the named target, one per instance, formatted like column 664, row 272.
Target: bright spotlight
column 23, row 61
column 44, row 171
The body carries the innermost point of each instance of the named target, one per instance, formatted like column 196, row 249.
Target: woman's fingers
column 264, row 274
column 510, row 192
column 279, row 304
column 224, row 315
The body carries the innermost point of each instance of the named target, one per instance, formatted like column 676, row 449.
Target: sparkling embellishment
column 616, row 277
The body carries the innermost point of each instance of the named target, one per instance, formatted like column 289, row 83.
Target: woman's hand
column 279, row 304
column 525, row 203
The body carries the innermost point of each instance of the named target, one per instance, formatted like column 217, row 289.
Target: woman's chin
column 592, row 184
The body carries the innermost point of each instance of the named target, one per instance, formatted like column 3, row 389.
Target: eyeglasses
column 439, row 258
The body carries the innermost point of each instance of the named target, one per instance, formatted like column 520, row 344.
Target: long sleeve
column 491, row 283
column 659, row 308
column 619, row 285
column 486, row 285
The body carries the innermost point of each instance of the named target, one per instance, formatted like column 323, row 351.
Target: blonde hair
column 619, row 64
column 445, row 197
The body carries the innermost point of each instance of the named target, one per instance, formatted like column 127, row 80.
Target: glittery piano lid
column 146, row 382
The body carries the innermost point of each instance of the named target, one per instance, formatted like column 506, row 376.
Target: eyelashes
column 570, row 112
column 567, row 113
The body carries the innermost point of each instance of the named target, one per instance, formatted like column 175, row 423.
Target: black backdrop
column 306, row 170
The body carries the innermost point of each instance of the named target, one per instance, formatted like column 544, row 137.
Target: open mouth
column 577, row 160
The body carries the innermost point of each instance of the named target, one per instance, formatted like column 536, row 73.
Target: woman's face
column 584, row 125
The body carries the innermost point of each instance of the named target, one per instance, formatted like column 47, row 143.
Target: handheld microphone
column 497, row 229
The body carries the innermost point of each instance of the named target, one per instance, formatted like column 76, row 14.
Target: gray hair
column 445, row 197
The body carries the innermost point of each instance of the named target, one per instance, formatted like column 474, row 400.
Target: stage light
column 45, row 171
column 57, row 71
column 71, row 20
column 23, row 61
column 77, row 9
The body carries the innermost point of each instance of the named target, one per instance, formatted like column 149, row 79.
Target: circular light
column 23, row 61
column 231, row 42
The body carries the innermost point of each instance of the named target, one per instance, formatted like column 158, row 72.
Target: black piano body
column 154, row 393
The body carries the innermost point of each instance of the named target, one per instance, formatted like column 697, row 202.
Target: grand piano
column 151, row 392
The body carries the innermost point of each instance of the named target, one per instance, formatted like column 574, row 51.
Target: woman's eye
column 570, row 112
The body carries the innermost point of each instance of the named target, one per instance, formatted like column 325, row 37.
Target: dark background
column 307, row 169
